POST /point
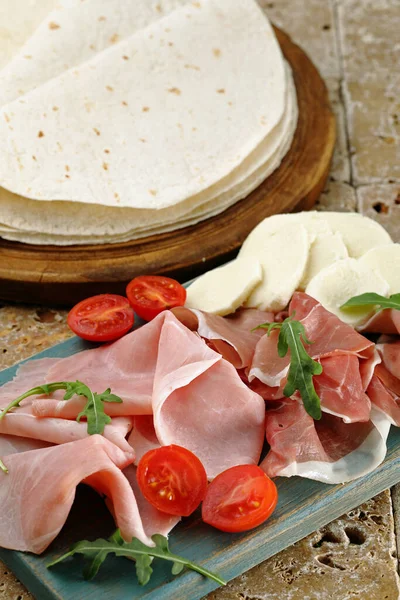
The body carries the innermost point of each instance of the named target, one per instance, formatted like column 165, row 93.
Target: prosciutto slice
column 341, row 389
column 231, row 336
column 328, row 450
column 330, row 336
column 385, row 321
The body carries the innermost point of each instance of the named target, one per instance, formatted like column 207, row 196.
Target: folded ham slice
column 384, row 321
column 231, row 336
column 328, row 450
column 197, row 398
column 21, row 422
column 36, row 501
column 330, row 337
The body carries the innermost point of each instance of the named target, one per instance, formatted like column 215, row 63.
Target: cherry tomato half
column 172, row 479
column 239, row 499
column 101, row 318
column 151, row 294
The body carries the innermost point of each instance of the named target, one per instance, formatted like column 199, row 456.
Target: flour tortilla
column 18, row 20
column 69, row 35
column 188, row 147
column 61, row 222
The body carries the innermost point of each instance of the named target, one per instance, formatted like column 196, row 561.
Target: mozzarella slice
column 311, row 220
column 283, row 256
column 222, row 290
column 359, row 233
column 385, row 260
column 339, row 282
column 326, row 249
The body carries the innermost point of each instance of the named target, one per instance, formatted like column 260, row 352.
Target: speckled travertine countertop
column 356, row 46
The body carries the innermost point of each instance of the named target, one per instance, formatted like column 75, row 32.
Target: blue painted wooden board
column 303, row 507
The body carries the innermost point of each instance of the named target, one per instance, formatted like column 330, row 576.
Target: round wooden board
column 62, row 276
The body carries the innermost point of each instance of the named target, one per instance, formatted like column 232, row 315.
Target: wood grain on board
column 62, row 276
column 304, row 506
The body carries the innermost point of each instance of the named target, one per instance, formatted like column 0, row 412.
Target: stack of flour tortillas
column 126, row 118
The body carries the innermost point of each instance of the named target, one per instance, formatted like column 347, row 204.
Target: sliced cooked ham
column 328, row 450
column 21, row 422
column 37, row 493
column 153, row 520
column 143, row 436
column 12, row 444
column 231, row 336
column 127, row 367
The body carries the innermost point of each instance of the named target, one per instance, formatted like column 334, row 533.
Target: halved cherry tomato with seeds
column 151, row 294
column 239, row 499
column 101, row 318
column 172, row 479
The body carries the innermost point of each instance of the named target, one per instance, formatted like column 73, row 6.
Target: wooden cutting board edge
column 63, row 276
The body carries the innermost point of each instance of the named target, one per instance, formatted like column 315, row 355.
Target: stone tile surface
column 356, row 46
column 369, row 45
column 382, row 203
column 353, row 557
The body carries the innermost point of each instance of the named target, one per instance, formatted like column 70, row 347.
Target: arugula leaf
column 292, row 336
column 143, row 556
column 372, row 299
column 3, row 467
column 93, row 410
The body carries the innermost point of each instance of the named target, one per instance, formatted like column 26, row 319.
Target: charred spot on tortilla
column 109, row 88
column 97, row 132
column 92, row 47
column 145, row 109
column 175, row 90
column 125, row 57
column 124, row 103
column 105, row 166
column 53, row 25
column 34, row 157
column 102, row 18
column 7, row 118
column 107, row 151
column 216, row 52
column 194, row 67
column 143, row 140
column 55, row 108
column 114, row 38
column 40, row 134
column 153, row 192
column 221, row 91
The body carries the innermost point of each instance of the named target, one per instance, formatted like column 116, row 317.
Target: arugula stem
column 127, row 552
column 3, row 467
column 40, row 389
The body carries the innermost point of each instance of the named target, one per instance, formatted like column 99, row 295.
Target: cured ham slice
column 384, row 399
column 230, row 336
column 328, row 450
column 330, row 336
column 385, row 321
column 341, row 389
